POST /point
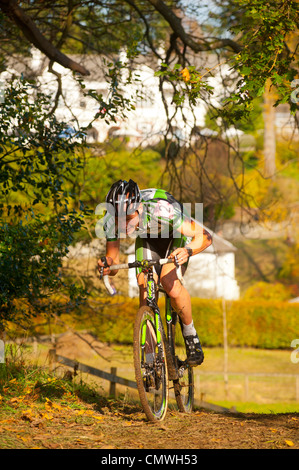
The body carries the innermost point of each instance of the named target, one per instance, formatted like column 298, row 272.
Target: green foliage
column 256, row 323
column 34, row 162
column 117, row 104
column 266, row 291
column 189, row 83
column 290, row 269
column 265, row 30
column 111, row 162
column 287, row 153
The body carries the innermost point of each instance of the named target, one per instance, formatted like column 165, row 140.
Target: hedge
column 260, row 324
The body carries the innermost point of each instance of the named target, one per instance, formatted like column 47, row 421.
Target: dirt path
column 206, row 430
column 118, row 426
column 50, row 415
column 202, row 430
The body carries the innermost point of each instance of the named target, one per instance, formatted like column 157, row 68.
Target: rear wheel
column 150, row 365
column 184, row 385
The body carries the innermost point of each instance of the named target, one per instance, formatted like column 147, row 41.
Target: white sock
column 189, row 330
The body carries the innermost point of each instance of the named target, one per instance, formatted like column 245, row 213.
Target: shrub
column 250, row 323
column 266, row 291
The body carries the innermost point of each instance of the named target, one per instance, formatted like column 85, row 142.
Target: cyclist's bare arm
column 201, row 239
column 112, row 257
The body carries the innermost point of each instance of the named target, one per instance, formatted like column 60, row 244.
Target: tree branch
column 11, row 9
column 176, row 25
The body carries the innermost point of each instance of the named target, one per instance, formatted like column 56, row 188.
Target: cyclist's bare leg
column 180, row 297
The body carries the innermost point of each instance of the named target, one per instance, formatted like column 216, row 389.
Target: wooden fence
column 246, row 379
column 114, row 379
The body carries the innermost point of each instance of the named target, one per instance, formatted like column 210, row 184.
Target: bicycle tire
column 151, row 372
column 184, row 385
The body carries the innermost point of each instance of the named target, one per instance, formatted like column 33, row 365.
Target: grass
column 27, row 384
column 25, row 381
column 270, row 408
column 41, row 410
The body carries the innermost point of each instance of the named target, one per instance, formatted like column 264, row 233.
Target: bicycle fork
column 152, row 359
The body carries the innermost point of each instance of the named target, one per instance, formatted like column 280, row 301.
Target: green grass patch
column 269, row 408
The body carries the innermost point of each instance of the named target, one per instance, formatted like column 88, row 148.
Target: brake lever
column 104, row 260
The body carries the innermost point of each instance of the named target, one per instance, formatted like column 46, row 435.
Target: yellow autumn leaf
column 16, row 399
column 47, row 416
column 57, row 407
column 186, row 75
column 289, row 443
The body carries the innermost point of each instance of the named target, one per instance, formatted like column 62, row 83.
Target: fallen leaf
column 15, row 399
column 37, row 423
column 289, row 443
column 47, row 416
column 163, row 428
column 26, row 417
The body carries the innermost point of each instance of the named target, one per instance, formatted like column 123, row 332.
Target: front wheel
column 150, row 364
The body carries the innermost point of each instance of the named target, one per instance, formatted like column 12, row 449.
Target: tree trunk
column 269, row 131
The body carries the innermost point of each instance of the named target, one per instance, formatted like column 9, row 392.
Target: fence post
column 52, row 359
column 246, row 383
column 225, row 347
column 112, row 391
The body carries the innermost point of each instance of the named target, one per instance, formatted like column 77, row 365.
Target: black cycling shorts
column 156, row 248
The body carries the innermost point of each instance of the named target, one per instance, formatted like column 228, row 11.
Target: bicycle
column 159, row 351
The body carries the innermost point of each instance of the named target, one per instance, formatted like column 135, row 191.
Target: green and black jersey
column 161, row 217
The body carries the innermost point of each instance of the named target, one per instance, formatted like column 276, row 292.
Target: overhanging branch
column 176, row 25
column 12, row 10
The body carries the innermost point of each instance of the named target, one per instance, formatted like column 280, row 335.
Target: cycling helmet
column 122, row 194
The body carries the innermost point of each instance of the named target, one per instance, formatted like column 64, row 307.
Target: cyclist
column 162, row 229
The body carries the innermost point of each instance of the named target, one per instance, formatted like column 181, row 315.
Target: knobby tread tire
column 137, row 365
column 176, row 383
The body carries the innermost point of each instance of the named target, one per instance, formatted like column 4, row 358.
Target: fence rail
column 114, row 379
column 247, row 375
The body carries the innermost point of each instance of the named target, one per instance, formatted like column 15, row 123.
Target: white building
column 147, row 123
column 210, row 274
